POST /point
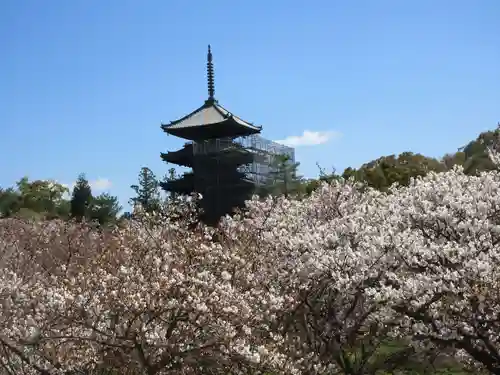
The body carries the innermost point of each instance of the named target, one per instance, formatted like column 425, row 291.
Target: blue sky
column 85, row 84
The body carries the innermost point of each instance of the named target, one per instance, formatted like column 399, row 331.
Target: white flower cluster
column 290, row 286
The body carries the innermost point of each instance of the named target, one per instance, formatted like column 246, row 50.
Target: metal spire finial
column 210, row 75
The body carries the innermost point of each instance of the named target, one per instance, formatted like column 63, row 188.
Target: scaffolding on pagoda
column 227, row 155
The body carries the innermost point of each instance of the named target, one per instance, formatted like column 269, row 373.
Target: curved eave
column 178, row 158
column 184, row 184
column 204, row 106
column 230, row 127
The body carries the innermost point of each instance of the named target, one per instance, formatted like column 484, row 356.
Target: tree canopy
column 47, row 199
column 147, row 191
column 387, row 170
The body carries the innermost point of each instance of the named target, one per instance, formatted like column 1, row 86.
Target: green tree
column 10, row 202
column 350, row 173
column 450, row 160
column 81, row 198
column 36, row 199
column 283, row 178
column 147, row 191
column 312, row 184
column 45, row 197
column 105, row 208
column 170, row 176
column 476, row 152
column 387, row 170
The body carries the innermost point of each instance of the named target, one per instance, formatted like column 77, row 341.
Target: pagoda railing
column 254, row 143
column 265, row 152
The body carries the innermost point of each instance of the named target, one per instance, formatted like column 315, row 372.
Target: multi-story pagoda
column 225, row 153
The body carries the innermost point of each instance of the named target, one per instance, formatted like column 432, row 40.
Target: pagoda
column 222, row 152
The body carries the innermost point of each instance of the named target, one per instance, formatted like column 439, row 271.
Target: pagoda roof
column 182, row 157
column 211, row 120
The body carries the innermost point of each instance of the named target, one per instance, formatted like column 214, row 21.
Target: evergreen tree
column 147, row 191
column 170, row 176
column 105, row 209
column 81, row 198
column 10, row 202
column 283, row 177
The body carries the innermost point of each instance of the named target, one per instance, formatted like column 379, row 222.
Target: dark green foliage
column 283, row 178
column 387, row 170
column 310, row 185
column 147, row 191
column 42, row 196
column 45, row 199
column 10, row 202
column 476, row 153
column 104, row 209
column 36, row 199
column 81, row 198
column 168, row 178
column 451, row 160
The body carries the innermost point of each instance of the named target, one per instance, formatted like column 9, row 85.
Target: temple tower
column 227, row 156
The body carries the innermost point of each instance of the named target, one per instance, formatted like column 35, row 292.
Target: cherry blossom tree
column 420, row 263
column 314, row 286
column 447, row 246
column 326, row 252
column 154, row 299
